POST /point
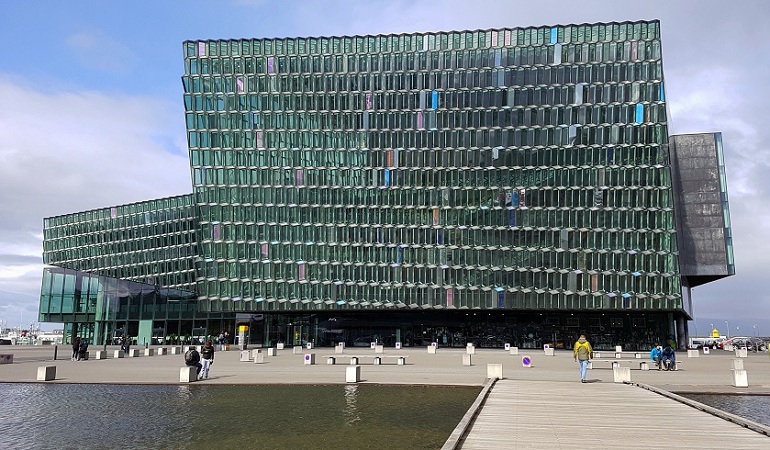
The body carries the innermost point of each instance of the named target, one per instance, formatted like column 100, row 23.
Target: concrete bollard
column 134, row 353
column 548, row 351
column 470, row 349
column 245, row 356
column 621, row 374
column 149, row 351
column 279, row 346
column 100, row 354
column 339, row 349
column 377, row 361
column 514, row 350
column 736, row 364
column 467, row 360
column 431, row 350
column 272, row 351
column 309, row 346
column 297, row 350
column 162, row 351
column 742, row 352
column 176, row 350
column 352, row 374
column 507, row 346
column 259, row 358
column 309, row 359
column 693, row 353
column 118, row 354
column 46, row 373
column 188, row 374
column 379, row 348
column 254, row 352
column 495, row 371
column 618, row 349
column 739, row 378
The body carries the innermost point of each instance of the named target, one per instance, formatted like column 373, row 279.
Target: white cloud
column 71, row 151
column 97, row 50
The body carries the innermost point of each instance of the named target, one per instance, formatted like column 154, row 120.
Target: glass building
column 489, row 186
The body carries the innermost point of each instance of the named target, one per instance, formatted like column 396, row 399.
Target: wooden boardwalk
column 597, row 415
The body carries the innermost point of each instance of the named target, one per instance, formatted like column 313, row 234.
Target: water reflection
column 351, row 411
column 54, row 416
column 752, row 407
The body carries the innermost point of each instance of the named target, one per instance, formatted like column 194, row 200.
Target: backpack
column 188, row 356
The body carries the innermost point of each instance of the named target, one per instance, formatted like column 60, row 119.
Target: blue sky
column 91, row 107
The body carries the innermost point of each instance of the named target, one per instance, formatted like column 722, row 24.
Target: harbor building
column 514, row 185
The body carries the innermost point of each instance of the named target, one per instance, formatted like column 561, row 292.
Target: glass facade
column 490, row 185
column 151, row 242
column 511, row 168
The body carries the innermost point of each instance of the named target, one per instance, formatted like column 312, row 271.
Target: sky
column 91, row 111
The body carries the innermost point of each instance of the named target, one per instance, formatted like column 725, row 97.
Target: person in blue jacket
column 668, row 358
column 655, row 355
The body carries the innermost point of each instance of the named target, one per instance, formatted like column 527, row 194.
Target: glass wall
column 493, row 169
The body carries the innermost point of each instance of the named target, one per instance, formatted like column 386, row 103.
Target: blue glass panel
column 554, row 35
column 639, row 113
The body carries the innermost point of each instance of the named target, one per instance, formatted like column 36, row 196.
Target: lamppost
column 728, row 329
column 755, row 331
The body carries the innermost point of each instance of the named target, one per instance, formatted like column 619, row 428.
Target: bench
column 621, row 355
column 376, row 359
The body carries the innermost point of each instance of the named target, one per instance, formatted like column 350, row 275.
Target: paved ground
column 543, row 406
column 707, row 373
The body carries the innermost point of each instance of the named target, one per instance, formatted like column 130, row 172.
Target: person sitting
column 193, row 359
column 668, row 358
column 655, row 355
column 83, row 350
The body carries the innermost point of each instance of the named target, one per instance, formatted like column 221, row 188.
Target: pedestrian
column 207, row 358
column 221, row 341
column 193, row 359
column 655, row 355
column 75, row 348
column 668, row 358
column 83, row 349
column 583, row 354
column 125, row 345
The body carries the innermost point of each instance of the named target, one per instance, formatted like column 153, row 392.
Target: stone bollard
column 431, row 350
column 188, row 374
column 297, row 350
column 100, row 354
column 309, row 359
column 118, row 354
column 736, row 364
column 742, row 352
column 272, row 351
column 259, row 358
column 339, row 349
column 352, row 374
column 279, row 346
column 379, row 348
column 149, row 351
column 467, row 360
column 176, row 350
column 507, row 346
column 46, row 373
column 621, row 374
column 548, row 351
column 495, row 371
column 162, row 351
column 134, row 353
column 470, row 349
column 245, row 356
column 618, row 349
column 693, row 353
column 739, row 378
column 514, row 350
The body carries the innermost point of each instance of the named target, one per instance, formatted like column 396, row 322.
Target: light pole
column 728, row 329
column 755, row 331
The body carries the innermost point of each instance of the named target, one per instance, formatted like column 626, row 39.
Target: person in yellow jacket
column 583, row 354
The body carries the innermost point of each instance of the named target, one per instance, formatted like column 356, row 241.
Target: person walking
column 207, row 358
column 583, row 354
column 75, row 348
column 221, row 341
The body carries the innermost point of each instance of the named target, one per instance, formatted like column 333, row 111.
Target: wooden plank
column 537, row 414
